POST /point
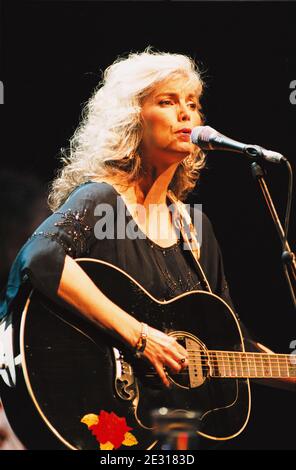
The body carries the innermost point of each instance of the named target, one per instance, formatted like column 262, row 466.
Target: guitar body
column 69, row 368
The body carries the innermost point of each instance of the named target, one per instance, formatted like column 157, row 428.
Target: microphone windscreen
column 202, row 134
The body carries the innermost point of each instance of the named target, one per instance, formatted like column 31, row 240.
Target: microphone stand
column 288, row 257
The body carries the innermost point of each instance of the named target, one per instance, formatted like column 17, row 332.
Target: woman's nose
column 183, row 113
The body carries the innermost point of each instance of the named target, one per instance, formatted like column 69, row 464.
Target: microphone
column 208, row 138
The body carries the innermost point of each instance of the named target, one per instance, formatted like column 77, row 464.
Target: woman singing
column 117, row 199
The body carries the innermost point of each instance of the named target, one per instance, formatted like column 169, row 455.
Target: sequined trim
column 179, row 285
column 77, row 229
column 164, row 250
column 55, row 237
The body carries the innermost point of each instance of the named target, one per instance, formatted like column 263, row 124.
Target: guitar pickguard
column 125, row 382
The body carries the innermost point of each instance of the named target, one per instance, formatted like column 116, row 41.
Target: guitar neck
column 251, row 365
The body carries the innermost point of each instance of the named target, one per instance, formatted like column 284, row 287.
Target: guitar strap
column 182, row 221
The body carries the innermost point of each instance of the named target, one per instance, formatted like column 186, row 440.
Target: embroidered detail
column 165, row 250
column 54, row 236
column 179, row 285
column 77, row 228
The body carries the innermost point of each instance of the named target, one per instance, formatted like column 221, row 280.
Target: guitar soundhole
column 198, row 369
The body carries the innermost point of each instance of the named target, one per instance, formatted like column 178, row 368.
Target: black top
column 90, row 224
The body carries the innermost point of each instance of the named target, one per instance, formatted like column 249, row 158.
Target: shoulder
column 90, row 194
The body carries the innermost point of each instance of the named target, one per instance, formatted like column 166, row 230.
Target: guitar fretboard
column 251, row 365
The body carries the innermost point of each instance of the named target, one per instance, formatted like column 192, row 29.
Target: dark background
column 51, row 57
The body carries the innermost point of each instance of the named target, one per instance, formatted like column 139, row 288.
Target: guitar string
column 216, row 364
column 241, row 353
column 241, row 356
column 253, row 354
column 236, row 374
column 273, row 367
column 238, row 360
column 245, row 356
column 244, row 368
column 227, row 376
column 274, row 361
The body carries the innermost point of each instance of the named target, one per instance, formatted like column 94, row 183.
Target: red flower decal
column 110, row 428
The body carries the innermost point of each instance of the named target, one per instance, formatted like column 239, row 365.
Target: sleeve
column 40, row 262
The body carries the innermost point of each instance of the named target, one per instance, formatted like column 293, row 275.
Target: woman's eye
column 193, row 105
column 165, row 102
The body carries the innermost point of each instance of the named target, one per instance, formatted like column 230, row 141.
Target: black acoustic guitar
column 69, row 372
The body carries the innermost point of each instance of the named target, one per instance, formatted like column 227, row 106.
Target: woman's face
column 169, row 113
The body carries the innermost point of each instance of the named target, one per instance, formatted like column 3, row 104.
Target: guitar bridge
column 125, row 383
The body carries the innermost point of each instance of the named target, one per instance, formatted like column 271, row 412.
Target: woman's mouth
column 184, row 134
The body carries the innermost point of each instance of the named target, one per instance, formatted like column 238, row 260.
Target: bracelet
column 142, row 341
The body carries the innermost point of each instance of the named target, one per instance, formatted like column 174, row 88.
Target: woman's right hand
column 162, row 351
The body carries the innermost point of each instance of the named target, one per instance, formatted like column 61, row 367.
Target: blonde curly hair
column 106, row 142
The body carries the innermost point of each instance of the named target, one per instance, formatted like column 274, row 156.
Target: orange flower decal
column 110, row 430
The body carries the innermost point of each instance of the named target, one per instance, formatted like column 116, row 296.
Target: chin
column 185, row 149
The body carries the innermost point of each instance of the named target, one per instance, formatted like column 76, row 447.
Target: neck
column 251, row 365
column 153, row 186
